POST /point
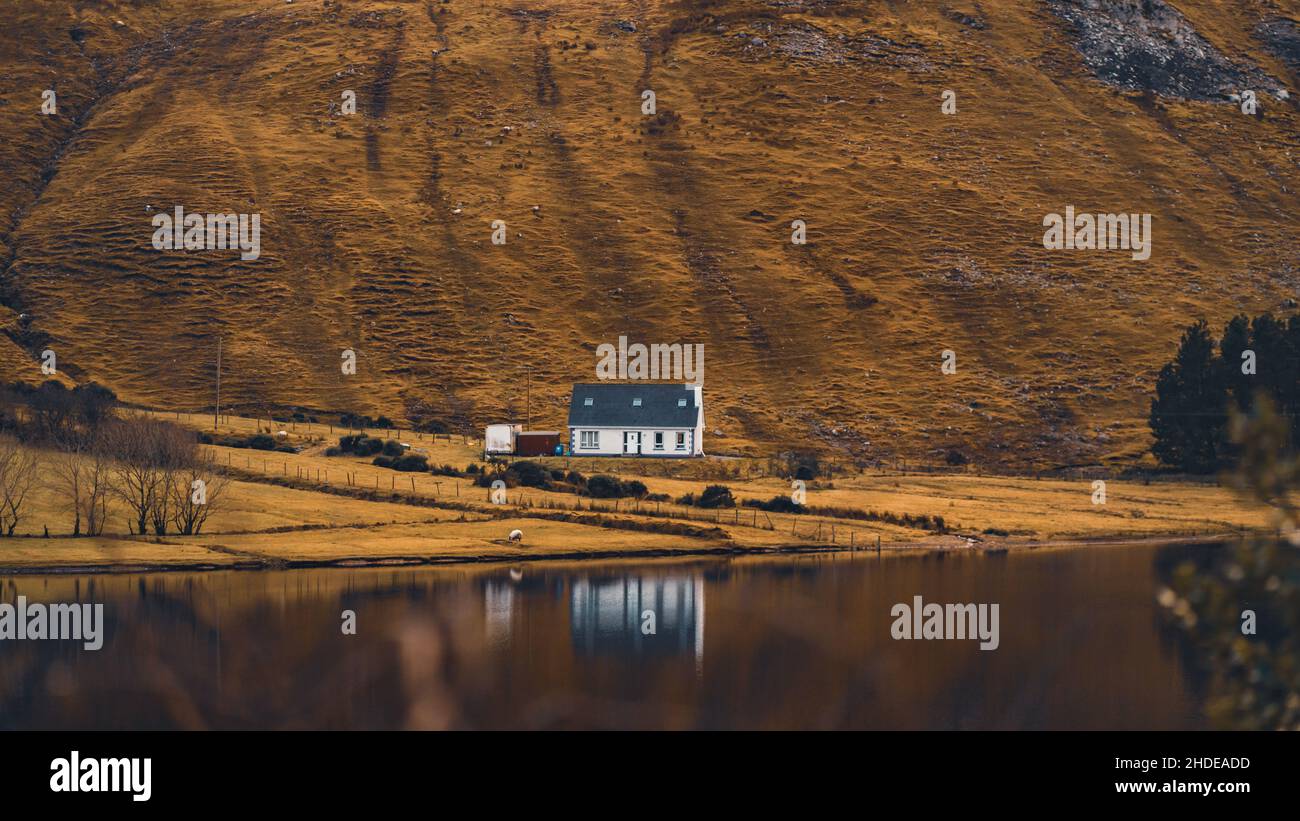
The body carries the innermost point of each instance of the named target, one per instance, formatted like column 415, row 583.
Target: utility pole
column 216, row 412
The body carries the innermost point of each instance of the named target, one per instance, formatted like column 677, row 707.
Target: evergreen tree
column 1288, row 400
column 1237, row 375
column 1268, row 340
column 1188, row 415
column 1239, row 385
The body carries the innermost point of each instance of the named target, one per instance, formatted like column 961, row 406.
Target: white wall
column 611, row 442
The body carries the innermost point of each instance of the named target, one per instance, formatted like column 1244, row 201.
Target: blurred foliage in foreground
column 1254, row 680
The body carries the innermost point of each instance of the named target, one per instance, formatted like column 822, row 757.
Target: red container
column 536, row 442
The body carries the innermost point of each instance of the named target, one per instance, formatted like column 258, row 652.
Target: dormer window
column 589, row 401
column 681, row 403
column 636, row 403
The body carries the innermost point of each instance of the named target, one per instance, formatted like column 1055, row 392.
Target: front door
column 631, row 441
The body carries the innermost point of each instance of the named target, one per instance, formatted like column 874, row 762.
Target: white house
column 636, row 419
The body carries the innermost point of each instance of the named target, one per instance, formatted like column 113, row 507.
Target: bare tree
column 70, row 476
column 81, row 474
column 175, row 452
column 197, row 491
column 133, row 479
column 18, row 469
column 148, row 455
column 97, row 489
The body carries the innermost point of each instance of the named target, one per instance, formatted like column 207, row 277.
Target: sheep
column 516, row 535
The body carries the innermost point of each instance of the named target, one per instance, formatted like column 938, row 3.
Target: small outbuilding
column 537, row 443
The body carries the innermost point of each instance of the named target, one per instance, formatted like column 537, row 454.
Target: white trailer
column 499, row 440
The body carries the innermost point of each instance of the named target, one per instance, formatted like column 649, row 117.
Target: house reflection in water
column 498, row 612
column 615, row 615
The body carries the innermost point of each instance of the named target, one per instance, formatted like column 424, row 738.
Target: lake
column 751, row 642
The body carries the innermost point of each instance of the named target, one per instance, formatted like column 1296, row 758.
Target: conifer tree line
column 1208, row 379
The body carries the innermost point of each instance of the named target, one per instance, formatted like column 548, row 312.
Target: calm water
column 738, row 643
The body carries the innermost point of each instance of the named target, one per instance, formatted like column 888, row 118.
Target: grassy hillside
column 308, row 508
column 924, row 229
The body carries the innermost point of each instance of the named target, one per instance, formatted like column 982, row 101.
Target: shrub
column 531, row 474
column 777, row 504
column 528, row 474
column 353, row 420
column 603, row 487
column 411, row 463
column 262, row 441
column 797, row 464
column 717, row 496
column 392, row 447
column 485, row 479
column 609, row 487
column 361, row 445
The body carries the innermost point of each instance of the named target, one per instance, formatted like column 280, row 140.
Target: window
column 636, row 403
column 659, row 440
column 681, row 440
column 588, row 401
column 681, row 403
column 589, row 439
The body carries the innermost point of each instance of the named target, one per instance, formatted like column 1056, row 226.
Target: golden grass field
column 345, row 510
column 924, row 229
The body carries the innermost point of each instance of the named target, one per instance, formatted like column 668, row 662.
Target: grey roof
column 612, row 405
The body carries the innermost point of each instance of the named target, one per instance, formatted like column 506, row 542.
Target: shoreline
column 443, row 560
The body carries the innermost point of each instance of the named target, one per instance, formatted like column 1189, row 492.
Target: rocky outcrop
column 1148, row 45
